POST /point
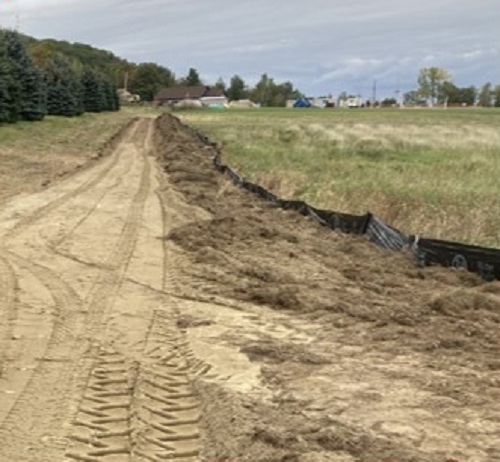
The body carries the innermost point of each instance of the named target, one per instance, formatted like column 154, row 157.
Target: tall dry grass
column 431, row 172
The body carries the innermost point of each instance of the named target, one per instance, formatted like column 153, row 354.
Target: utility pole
column 17, row 24
column 374, row 93
column 398, row 98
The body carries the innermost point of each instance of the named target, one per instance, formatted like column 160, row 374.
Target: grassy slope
column 32, row 154
column 431, row 172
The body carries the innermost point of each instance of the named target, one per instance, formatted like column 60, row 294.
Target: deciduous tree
column 149, row 78
column 456, row 95
column 237, row 89
column 431, row 81
column 485, row 95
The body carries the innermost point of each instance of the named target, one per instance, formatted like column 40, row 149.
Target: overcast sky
column 322, row 46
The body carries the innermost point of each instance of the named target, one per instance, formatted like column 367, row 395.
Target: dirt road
column 149, row 311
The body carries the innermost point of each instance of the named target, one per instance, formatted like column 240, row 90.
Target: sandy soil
column 151, row 311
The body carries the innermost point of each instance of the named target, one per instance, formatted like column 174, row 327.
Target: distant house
column 352, row 102
column 322, row 102
column 126, row 97
column 243, row 104
column 207, row 96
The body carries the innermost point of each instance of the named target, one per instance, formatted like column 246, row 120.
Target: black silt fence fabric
column 481, row 260
column 385, row 236
column 344, row 222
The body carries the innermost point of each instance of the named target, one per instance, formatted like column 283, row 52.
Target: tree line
column 147, row 79
column 435, row 86
column 38, row 81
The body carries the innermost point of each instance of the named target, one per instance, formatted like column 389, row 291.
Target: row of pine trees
column 57, row 87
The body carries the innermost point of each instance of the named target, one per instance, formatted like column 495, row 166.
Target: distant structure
column 125, row 96
column 205, row 95
column 318, row 102
column 322, row 101
column 243, row 104
column 302, row 102
column 352, row 102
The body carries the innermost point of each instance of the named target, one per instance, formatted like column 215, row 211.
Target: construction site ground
column 151, row 311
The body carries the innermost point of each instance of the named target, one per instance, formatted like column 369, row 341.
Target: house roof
column 185, row 92
column 213, row 92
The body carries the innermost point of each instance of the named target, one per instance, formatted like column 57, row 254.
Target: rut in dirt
column 94, row 366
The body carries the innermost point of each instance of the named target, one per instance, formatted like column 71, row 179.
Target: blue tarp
column 302, row 102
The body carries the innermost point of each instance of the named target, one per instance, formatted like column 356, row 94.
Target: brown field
column 151, row 311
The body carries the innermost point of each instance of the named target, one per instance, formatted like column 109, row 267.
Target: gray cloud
column 323, row 46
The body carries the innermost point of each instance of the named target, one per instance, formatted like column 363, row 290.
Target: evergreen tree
column 220, row 85
column 109, row 91
column 27, row 90
column 496, row 95
column 5, row 84
column 192, row 79
column 64, row 93
column 76, row 88
column 103, row 98
column 116, row 99
column 34, row 104
column 13, row 84
column 94, row 98
column 4, row 92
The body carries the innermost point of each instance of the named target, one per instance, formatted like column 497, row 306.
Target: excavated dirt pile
column 396, row 362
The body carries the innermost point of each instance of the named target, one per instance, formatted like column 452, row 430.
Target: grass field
column 34, row 153
column 433, row 172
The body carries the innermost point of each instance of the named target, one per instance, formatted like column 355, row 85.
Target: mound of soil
column 253, row 251
column 363, row 296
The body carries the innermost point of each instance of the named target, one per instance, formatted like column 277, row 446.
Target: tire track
column 104, row 416
column 151, row 412
column 102, row 293
column 57, row 243
column 119, row 409
column 86, row 186
column 30, row 419
column 145, row 411
column 166, row 408
column 8, row 308
column 103, row 424
column 57, row 369
column 173, row 284
column 54, row 246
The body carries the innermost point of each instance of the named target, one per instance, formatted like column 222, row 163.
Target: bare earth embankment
column 150, row 311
